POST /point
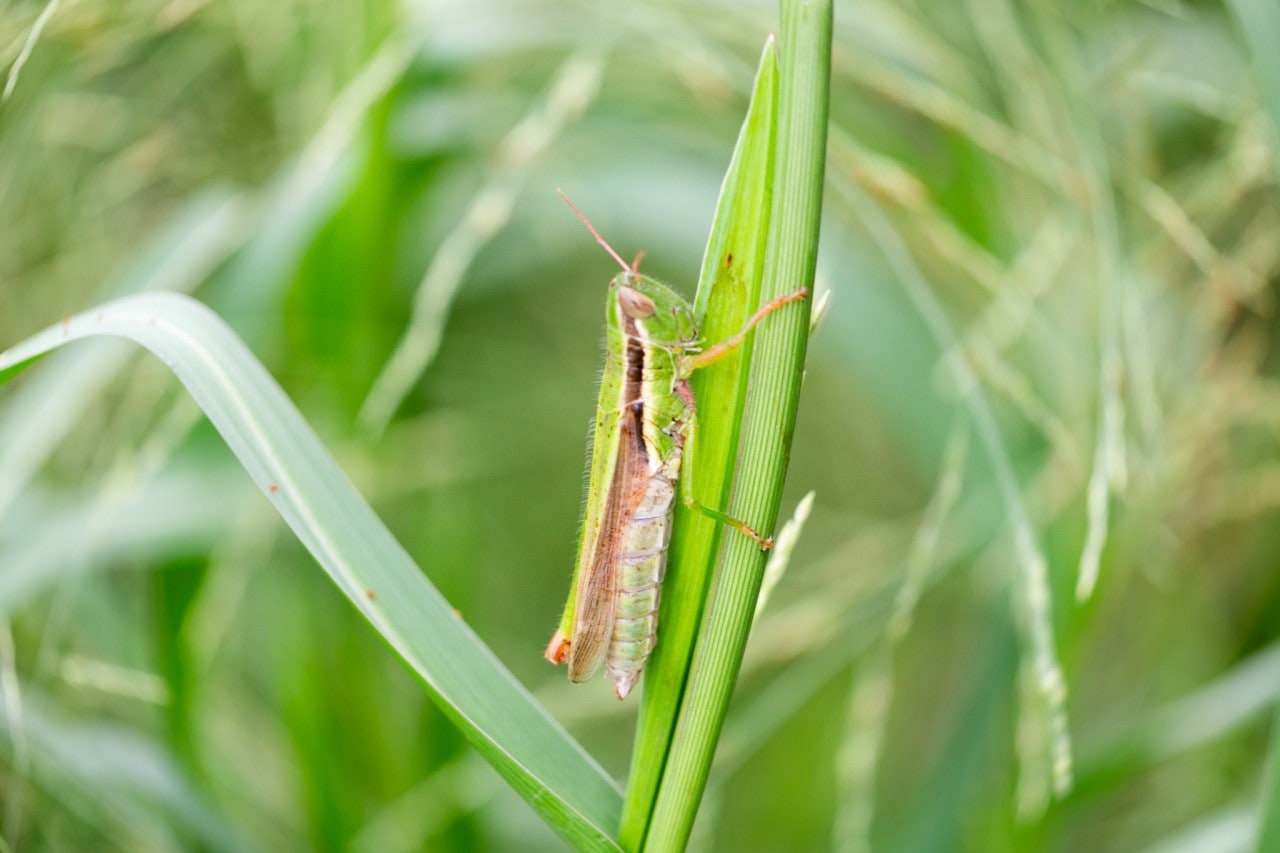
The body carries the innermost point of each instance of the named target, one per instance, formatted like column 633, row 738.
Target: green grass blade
column 286, row 459
column 181, row 508
column 1260, row 26
column 769, row 418
column 129, row 787
column 573, row 87
column 728, row 292
column 1269, row 830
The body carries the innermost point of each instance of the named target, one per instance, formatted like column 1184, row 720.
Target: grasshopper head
column 663, row 316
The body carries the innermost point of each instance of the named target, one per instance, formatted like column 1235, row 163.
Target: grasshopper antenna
column 633, row 268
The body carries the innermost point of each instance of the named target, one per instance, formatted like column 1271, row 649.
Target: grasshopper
column 645, row 422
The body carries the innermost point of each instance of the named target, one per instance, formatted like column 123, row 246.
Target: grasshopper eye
column 635, row 304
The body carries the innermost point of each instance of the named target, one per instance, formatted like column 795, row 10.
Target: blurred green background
column 1051, row 245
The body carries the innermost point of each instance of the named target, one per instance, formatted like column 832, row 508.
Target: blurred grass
column 1043, row 167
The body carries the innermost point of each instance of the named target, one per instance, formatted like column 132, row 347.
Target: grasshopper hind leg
column 687, row 430
column 765, row 542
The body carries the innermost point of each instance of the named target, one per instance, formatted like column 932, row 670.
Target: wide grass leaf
column 286, row 459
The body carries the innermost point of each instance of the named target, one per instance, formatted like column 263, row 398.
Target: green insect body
column 642, row 421
column 644, row 418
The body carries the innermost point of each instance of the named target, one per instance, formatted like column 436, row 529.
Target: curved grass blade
column 286, row 459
